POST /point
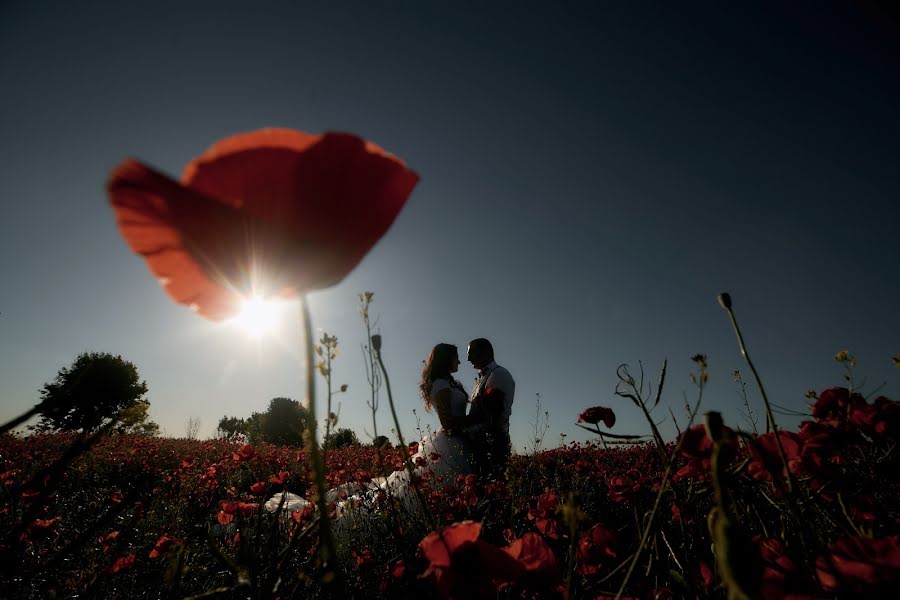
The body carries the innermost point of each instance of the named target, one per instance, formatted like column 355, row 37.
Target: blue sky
column 592, row 175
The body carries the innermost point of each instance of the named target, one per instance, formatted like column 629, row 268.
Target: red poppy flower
column 596, row 549
column 162, row 545
column 766, row 461
column 535, row 555
column 464, row 566
column 270, row 212
column 834, row 403
column 258, row 488
column 596, row 414
column 544, row 515
column 245, row 452
column 861, row 566
column 123, row 563
column 623, row 488
column 107, row 540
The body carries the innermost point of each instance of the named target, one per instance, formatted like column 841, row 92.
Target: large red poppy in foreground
column 274, row 212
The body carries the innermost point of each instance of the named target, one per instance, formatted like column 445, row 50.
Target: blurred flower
column 835, row 403
column 122, row 564
column 535, row 555
column 596, row 549
column 544, row 515
column 623, row 488
column 162, row 545
column 766, row 461
column 863, row 567
column 107, row 539
column 596, row 414
column 463, row 566
column 245, row 452
column 273, row 212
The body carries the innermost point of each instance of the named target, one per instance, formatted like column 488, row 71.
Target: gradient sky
column 592, row 175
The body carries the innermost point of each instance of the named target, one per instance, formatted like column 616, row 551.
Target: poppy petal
column 271, row 212
column 144, row 203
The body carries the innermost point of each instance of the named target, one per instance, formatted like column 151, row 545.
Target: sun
column 259, row 316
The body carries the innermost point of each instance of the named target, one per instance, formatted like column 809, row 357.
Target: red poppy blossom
column 544, row 515
column 535, row 555
column 162, row 545
column 245, row 452
column 464, row 566
column 596, row 549
column 596, row 414
column 273, row 212
column 861, row 566
column 123, row 563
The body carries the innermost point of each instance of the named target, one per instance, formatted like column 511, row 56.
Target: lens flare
column 259, row 316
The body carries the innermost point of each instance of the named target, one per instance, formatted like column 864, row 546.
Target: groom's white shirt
column 498, row 377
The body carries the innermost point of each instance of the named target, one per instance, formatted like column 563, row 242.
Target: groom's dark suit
column 492, row 399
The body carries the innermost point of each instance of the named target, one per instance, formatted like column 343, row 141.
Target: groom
column 492, row 399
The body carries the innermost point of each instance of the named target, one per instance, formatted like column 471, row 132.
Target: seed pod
column 725, row 300
column 715, row 427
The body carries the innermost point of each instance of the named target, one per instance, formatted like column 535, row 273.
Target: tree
column 283, row 424
column 231, row 426
column 95, row 389
column 192, row 427
column 135, row 420
column 341, row 438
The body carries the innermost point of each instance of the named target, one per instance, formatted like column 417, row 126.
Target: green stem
column 20, row 419
column 662, row 488
column 407, row 462
column 332, row 574
column 770, row 417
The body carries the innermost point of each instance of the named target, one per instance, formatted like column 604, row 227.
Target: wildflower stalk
column 365, row 300
column 701, row 381
column 327, row 549
column 9, row 425
column 725, row 302
column 372, row 374
column 376, row 346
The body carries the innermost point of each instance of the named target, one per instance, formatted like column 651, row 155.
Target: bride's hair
column 437, row 366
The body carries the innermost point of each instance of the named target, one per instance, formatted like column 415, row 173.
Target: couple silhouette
column 474, row 432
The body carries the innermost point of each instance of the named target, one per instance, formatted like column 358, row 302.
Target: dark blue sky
column 592, row 174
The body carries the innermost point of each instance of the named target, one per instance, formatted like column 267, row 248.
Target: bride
column 448, row 451
column 444, row 453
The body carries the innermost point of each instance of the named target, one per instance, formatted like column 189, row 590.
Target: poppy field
column 810, row 513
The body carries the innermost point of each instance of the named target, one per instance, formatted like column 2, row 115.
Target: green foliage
column 283, row 424
column 231, row 426
column 96, row 388
column 135, row 420
column 341, row 438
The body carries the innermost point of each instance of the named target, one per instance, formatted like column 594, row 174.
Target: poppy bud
column 714, row 425
column 376, row 342
column 725, row 300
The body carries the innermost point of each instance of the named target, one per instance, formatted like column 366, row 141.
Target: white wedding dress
column 441, row 456
column 441, row 453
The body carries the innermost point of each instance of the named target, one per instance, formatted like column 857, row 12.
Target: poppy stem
column 410, row 471
column 327, row 551
column 770, row 418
